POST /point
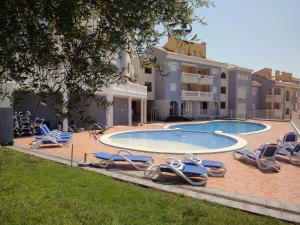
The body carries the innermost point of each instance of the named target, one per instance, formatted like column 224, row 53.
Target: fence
column 258, row 114
column 296, row 119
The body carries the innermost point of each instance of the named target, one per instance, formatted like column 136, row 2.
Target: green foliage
column 36, row 191
column 50, row 47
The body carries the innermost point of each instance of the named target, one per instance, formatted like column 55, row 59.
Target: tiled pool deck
column 241, row 178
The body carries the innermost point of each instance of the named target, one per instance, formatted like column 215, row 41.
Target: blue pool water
column 204, row 140
column 232, row 127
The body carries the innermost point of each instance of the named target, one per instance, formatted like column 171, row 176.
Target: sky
column 253, row 33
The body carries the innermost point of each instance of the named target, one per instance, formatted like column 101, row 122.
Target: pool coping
column 241, row 143
column 268, row 127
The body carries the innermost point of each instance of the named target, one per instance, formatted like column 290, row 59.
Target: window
column 287, row 97
column 254, row 91
column 276, row 91
column 223, row 90
column 242, row 76
column 223, row 105
column 223, row 75
column 276, row 105
column 269, row 91
column 242, row 92
column 149, row 86
column 173, row 87
column 269, row 105
column 148, row 70
column 287, row 111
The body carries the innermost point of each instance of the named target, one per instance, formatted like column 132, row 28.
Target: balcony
column 193, row 78
column 126, row 90
column 196, row 96
column 274, row 98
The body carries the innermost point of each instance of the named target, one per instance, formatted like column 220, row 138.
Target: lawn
column 37, row 191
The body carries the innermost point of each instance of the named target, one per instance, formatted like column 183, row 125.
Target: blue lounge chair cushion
column 50, row 142
column 38, row 137
column 116, row 158
column 206, row 163
column 282, row 152
column 252, row 155
column 188, row 170
column 46, row 131
column 290, row 137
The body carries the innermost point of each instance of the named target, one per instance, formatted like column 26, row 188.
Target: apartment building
column 185, row 82
column 129, row 102
column 283, row 96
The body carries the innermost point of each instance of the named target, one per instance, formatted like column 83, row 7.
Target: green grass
column 37, row 191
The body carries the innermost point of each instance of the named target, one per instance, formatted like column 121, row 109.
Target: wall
column 163, row 108
column 98, row 113
column 142, row 77
column 120, row 111
column 28, row 101
column 188, row 47
column 266, row 84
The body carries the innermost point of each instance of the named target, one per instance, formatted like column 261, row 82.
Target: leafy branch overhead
column 71, row 46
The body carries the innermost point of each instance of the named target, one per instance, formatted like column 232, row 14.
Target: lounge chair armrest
column 189, row 156
column 173, row 160
column 125, row 151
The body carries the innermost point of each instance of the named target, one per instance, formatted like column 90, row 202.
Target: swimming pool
column 231, row 127
column 205, row 137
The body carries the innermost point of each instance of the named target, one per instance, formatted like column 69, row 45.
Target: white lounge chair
column 264, row 156
column 289, row 140
column 215, row 168
column 50, row 140
column 292, row 153
column 108, row 159
column 194, row 175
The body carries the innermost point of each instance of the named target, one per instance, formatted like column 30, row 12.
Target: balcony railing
column 197, row 78
column 196, row 95
column 130, row 89
column 274, row 98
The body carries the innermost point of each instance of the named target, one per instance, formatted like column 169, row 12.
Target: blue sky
column 253, row 33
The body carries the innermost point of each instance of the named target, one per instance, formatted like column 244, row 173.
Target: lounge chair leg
column 152, row 172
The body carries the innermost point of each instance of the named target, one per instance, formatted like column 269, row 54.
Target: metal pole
column 72, row 151
column 85, row 155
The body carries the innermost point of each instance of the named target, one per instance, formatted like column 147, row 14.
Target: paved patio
column 242, row 178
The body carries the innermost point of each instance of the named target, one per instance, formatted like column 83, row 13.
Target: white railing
column 276, row 98
column 269, row 114
column 196, row 95
column 197, row 78
column 130, row 88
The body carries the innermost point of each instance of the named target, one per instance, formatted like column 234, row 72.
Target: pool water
column 231, row 127
column 147, row 138
column 187, row 137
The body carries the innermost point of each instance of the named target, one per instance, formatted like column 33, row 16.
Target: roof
column 189, row 56
column 237, row 67
column 256, row 83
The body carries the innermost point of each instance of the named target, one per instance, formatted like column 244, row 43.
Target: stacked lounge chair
column 25, row 124
column 193, row 174
column 263, row 156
